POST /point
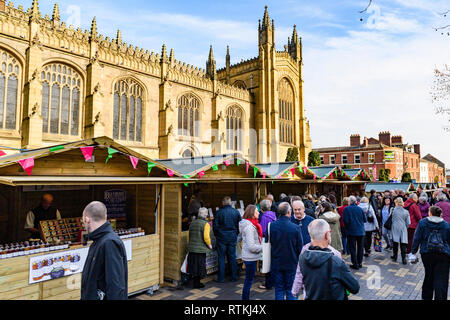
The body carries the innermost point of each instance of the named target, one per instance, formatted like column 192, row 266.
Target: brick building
column 436, row 169
column 386, row 152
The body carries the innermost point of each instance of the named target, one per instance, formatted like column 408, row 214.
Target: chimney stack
column 355, row 140
column 385, row 138
column 417, row 149
column 397, row 139
column 365, row 142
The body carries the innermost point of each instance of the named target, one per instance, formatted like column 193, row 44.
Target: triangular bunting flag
column 293, row 171
column 201, row 174
column 134, row 162
column 264, row 175
column 301, row 169
column 227, row 162
column 238, row 162
column 27, row 165
column 2, row 153
column 111, row 151
column 53, row 149
column 255, row 171
column 170, row 173
column 87, row 152
column 246, row 167
column 150, row 165
column 314, row 177
column 215, row 167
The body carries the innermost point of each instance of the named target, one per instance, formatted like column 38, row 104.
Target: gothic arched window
column 240, row 84
column 61, row 99
column 127, row 113
column 234, row 128
column 9, row 90
column 188, row 115
column 286, row 111
column 187, row 153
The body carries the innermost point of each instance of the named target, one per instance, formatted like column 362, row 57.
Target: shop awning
column 276, row 169
column 71, row 180
column 381, row 187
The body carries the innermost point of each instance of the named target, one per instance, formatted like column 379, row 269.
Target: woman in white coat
column 370, row 226
column 399, row 231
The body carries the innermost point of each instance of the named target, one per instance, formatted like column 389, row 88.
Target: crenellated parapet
column 189, row 75
column 241, row 67
column 14, row 21
column 233, row 92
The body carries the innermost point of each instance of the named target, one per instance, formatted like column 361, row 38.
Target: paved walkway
column 380, row 279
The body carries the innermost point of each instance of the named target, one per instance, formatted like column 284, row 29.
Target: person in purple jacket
column 267, row 216
column 424, row 206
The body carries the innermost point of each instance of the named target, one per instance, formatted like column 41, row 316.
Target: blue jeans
column 250, row 270
column 344, row 241
column 283, row 284
column 228, row 249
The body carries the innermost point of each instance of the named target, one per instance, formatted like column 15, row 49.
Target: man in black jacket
column 325, row 275
column 105, row 273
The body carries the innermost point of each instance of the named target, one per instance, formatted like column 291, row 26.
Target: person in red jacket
column 415, row 216
column 345, row 203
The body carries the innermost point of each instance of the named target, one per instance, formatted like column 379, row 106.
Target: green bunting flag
column 111, row 151
column 56, row 148
column 187, row 176
column 215, row 167
column 150, row 165
column 255, row 171
column 301, row 169
column 238, row 162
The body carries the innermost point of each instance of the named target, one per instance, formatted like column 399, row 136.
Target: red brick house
column 372, row 155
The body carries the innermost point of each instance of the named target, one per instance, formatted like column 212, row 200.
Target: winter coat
column 199, row 236
column 424, row 207
column 340, row 211
column 374, row 203
column 333, row 220
column 314, row 268
column 354, row 219
column 368, row 211
column 423, row 231
column 265, row 218
column 304, row 223
column 226, row 224
column 400, row 224
column 298, row 281
column 251, row 245
column 414, row 213
column 106, row 267
column 445, row 206
column 286, row 244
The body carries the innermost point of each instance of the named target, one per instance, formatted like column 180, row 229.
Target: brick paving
column 380, row 279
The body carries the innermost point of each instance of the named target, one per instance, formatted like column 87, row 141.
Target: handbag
column 184, row 265
column 369, row 217
column 266, row 253
column 377, row 242
column 388, row 224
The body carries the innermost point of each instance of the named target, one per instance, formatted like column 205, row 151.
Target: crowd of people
column 308, row 236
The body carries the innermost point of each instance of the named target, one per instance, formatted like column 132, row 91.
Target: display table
column 143, row 273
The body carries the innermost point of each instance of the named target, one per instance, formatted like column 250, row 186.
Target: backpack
column 369, row 217
column 434, row 242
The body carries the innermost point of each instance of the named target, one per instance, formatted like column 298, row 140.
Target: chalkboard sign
column 116, row 203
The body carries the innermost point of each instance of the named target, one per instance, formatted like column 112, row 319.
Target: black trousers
column 356, row 247
column 402, row 250
column 368, row 241
column 436, row 276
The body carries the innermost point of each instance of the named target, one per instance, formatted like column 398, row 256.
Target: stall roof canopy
column 52, row 153
column 191, row 166
column 276, row 169
column 322, row 171
column 381, row 187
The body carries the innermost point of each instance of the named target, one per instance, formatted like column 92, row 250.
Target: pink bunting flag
column 314, row 177
column 247, row 165
column 170, row 173
column 2, row 153
column 87, row 152
column 305, row 169
column 264, row 175
column 227, row 162
column 331, row 175
column 134, row 162
column 27, row 165
column 293, row 171
column 201, row 174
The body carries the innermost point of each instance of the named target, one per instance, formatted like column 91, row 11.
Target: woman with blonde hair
column 399, row 230
column 370, row 226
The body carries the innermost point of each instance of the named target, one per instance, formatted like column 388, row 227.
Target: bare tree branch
column 370, row 2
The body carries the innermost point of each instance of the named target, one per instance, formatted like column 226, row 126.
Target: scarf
column 258, row 227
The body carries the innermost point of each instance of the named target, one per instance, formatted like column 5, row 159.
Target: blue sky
column 359, row 77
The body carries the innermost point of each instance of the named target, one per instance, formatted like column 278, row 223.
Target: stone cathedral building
column 59, row 84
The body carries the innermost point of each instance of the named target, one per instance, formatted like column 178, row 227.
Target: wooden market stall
column 216, row 177
column 74, row 182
